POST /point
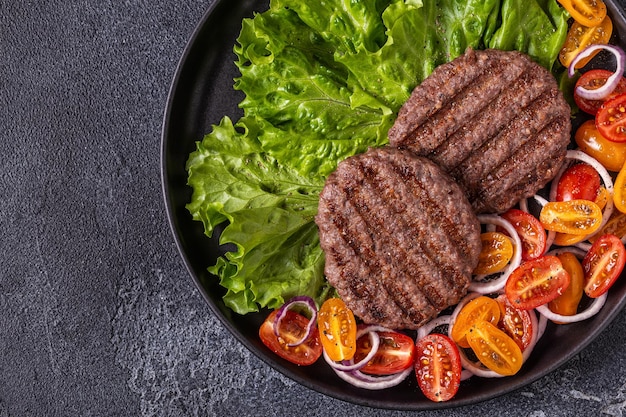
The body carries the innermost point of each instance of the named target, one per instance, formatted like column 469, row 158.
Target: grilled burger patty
column 494, row 120
column 399, row 236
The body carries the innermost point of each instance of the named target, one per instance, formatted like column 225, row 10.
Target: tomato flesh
column 592, row 80
column 515, row 322
column 615, row 226
column 530, row 231
column 395, row 353
column 567, row 303
column 536, row 282
column 495, row 349
column 581, row 36
column 585, row 12
column 480, row 308
column 576, row 217
column 496, row 252
column 437, row 367
column 611, row 119
column 292, row 328
column 603, row 264
column 611, row 155
column 337, row 329
column 619, row 190
column 578, row 182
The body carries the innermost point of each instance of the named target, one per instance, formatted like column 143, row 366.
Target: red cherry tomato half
column 437, row 367
column 515, row 322
column 530, row 231
column 395, row 353
column 579, row 181
column 611, row 119
column 536, row 282
column 292, row 328
column 592, row 80
column 603, row 264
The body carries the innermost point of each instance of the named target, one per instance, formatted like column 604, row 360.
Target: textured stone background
column 98, row 316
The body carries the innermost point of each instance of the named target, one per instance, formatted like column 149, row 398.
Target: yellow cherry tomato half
column 611, row 155
column 494, row 348
column 619, row 191
column 577, row 217
column 480, row 308
column 585, row 12
column 580, row 37
column 615, row 226
column 567, row 303
column 496, row 252
column 564, row 239
column 337, row 328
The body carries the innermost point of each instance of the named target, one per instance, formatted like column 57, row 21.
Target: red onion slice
column 304, row 301
column 611, row 82
column 361, row 380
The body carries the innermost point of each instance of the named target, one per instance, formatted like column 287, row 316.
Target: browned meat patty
column 399, row 236
column 495, row 120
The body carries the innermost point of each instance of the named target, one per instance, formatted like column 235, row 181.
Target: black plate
column 201, row 93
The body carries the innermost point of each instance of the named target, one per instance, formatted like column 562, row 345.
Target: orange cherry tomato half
column 292, row 328
column 480, row 308
column 536, row 282
column 611, row 119
column 585, row 12
column 611, row 155
column 576, row 217
column 566, row 304
column 515, row 322
column 603, row 264
column 530, row 231
column 615, row 226
column 395, row 353
column 437, row 367
column 619, row 190
column 337, row 329
column 496, row 252
column 580, row 37
column 578, row 182
column 592, row 80
column 495, row 349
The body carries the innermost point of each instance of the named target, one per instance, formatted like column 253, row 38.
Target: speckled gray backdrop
column 98, row 316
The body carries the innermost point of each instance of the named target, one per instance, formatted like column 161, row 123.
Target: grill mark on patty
column 482, row 128
column 357, row 239
column 515, row 136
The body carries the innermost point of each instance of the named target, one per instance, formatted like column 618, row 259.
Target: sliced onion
column 361, row 380
column 611, row 82
column 428, row 327
column 495, row 285
column 593, row 309
column 477, row 368
column 301, row 300
column 351, row 365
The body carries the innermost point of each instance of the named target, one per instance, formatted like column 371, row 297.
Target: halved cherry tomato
column 496, row 252
column 495, row 349
column 395, row 353
column 579, row 181
column 565, row 239
column 530, row 231
column 580, row 36
column 515, row 322
column 566, row 304
column 615, row 226
column 536, row 282
column 337, row 329
column 576, row 217
column 611, row 155
column 480, row 308
column 292, row 328
column 592, row 80
column 585, row 12
column 437, row 367
column 603, row 264
column 619, row 190
column 611, row 119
